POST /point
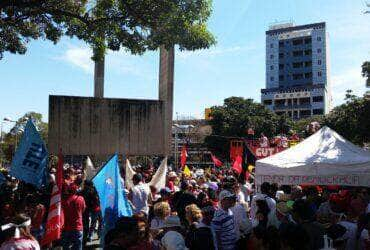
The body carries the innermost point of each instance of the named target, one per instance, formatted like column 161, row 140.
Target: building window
column 318, row 111
column 281, row 44
column 317, row 99
column 305, row 113
column 298, row 65
column 308, row 64
column 272, row 67
column 319, row 73
column 318, row 50
column 271, row 56
column 319, row 62
column 267, row 102
column 298, row 53
column 271, row 78
column 271, row 45
column 308, row 40
column 298, row 42
column 281, row 66
column 297, row 76
column 281, row 77
column 319, row 38
column 308, row 75
column 281, row 55
column 307, row 52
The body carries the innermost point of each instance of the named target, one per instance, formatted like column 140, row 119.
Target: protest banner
column 31, row 158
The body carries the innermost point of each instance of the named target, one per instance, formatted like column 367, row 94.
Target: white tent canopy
column 324, row 158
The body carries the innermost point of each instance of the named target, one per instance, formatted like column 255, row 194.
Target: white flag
column 129, row 174
column 90, row 170
column 159, row 178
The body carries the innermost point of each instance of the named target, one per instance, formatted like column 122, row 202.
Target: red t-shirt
column 73, row 208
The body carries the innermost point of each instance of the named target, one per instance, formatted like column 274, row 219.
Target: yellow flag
column 250, row 168
column 186, row 171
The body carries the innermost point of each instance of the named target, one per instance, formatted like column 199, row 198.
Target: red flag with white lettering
column 216, row 161
column 55, row 218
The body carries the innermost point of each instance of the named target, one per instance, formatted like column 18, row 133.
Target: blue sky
column 234, row 67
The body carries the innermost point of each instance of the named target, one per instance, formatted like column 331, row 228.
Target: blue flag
column 31, row 158
column 113, row 202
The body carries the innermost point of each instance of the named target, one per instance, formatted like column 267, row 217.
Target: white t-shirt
column 242, row 223
column 140, row 195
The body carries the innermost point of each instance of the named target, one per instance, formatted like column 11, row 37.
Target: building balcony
column 293, row 106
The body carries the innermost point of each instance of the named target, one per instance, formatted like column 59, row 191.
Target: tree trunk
column 99, row 78
column 166, row 85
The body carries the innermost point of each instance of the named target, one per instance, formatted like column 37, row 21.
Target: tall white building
column 297, row 70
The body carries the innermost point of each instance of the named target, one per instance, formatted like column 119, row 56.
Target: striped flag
column 55, row 218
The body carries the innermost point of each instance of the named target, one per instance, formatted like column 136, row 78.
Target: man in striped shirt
column 223, row 223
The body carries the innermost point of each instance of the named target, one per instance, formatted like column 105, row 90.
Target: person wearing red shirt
column 73, row 206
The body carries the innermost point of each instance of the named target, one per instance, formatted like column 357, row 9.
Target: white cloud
column 79, row 57
column 120, row 62
column 348, row 79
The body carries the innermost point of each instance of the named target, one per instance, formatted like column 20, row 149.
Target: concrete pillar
column 99, row 79
column 166, row 85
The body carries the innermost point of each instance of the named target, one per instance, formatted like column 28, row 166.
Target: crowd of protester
column 215, row 210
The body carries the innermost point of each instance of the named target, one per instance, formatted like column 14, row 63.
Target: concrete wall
column 101, row 127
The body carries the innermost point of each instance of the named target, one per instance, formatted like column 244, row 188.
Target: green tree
column 135, row 25
column 351, row 119
column 300, row 126
column 235, row 116
column 366, row 72
column 23, row 20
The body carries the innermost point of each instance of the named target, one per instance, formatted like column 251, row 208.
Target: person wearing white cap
column 223, row 223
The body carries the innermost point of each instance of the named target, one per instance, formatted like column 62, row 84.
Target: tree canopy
column 351, row 119
column 135, row 25
column 366, row 72
column 235, row 116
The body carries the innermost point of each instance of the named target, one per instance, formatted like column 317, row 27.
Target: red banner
column 263, row 152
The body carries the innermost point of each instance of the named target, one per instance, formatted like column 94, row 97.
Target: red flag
column 55, row 218
column 184, row 155
column 216, row 161
column 237, row 165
